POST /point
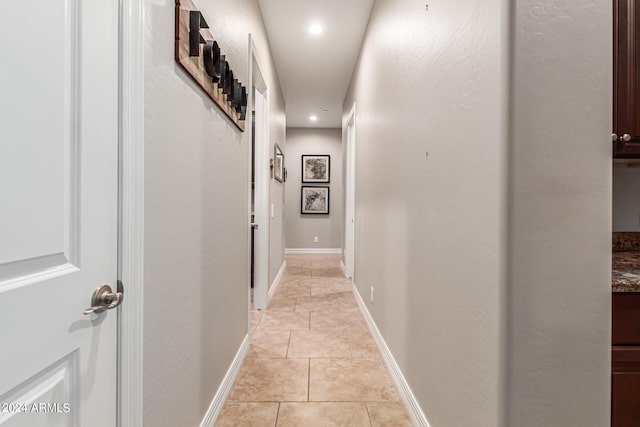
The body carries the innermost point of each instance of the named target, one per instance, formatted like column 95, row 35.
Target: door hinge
column 119, row 286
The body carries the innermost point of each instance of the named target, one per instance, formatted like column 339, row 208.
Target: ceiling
column 315, row 70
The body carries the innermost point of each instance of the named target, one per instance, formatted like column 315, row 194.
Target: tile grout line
column 278, row 414
column 366, row 405
column 288, row 345
column 309, row 380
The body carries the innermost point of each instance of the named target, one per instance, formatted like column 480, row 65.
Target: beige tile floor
column 312, row 360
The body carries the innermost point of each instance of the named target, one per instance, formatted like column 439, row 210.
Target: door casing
column 259, row 99
column 131, row 213
column 350, row 197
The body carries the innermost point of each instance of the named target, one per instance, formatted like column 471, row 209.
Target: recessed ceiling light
column 315, row 29
column 313, row 118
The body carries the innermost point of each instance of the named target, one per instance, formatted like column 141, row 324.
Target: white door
column 261, row 207
column 58, row 211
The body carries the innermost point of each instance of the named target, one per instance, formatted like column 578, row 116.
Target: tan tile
column 324, row 265
column 284, row 321
column 297, row 260
column 317, row 281
column 318, row 303
column 327, row 272
column 248, row 415
column 330, row 290
column 341, row 281
column 347, row 304
column 349, row 298
column 292, row 292
column 343, row 287
column 323, row 415
column 269, row 344
column 362, row 344
column 350, row 380
column 318, row 344
column 294, row 284
column 388, row 414
column 288, row 281
column 297, row 272
column 256, row 316
column 282, row 304
column 333, row 259
column 337, row 321
column 271, row 380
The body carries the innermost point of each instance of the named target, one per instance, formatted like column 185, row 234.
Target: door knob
column 626, row 137
column 103, row 299
column 614, row 137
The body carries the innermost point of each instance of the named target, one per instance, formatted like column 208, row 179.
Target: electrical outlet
column 315, row 239
column 372, row 295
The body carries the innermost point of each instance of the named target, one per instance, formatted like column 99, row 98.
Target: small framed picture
column 315, row 200
column 316, row 169
column 278, row 163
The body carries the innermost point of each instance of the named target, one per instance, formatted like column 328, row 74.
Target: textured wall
column 300, row 229
column 560, row 219
column 491, row 256
column 429, row 231
column 277, row 195
column 196, row 222
column 626, row 198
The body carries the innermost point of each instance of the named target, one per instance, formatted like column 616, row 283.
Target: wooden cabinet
column 626, row 78
column 625, row 360
column 625, row 386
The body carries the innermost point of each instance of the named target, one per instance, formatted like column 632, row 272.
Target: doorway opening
column 259, row 185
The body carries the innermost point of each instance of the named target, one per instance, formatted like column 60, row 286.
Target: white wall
column 301, row 229
column 491, row 256
column 626, row 197
column 196, row 215
column 430, row 231
column 277, row 197
column 560, row 214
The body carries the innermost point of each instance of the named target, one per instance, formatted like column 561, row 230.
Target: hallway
column 312, row 360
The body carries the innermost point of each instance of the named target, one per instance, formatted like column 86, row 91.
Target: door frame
column 350, row 195
column 131, row 213
column 262, row 181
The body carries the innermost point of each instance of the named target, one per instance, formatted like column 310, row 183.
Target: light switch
column 272, row 211
column 315, row 239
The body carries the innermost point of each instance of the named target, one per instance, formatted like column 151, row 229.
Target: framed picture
column 316, row 168
column 278, row 163
column 315, row 200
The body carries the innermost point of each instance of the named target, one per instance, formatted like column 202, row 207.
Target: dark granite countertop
column 625, row 275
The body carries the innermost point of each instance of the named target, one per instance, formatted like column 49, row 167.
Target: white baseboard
column 276, row 282
column 343, row 268
column 313, row 251
column 211, row 417
column 410, row 402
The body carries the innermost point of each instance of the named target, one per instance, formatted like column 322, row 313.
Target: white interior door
column 350, row 220
column 58, row 216
column 259, row 102
column 261, row 208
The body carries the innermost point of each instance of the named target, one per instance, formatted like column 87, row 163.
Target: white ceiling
column 315, row 70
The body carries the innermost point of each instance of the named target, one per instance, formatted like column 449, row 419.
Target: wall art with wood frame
column 199, row 54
